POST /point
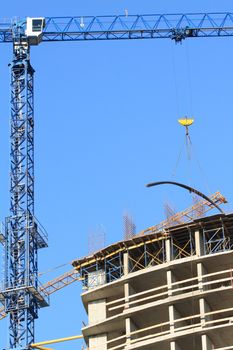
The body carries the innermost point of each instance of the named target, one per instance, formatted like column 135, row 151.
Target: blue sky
column 106, row 124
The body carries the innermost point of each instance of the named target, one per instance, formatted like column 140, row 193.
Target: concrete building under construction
column 163, row 290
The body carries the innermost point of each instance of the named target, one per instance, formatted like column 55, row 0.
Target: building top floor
column 215, row 235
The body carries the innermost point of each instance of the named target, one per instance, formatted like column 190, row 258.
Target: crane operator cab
column 34, row 30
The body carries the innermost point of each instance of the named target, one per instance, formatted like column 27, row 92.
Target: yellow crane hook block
column 186, row 121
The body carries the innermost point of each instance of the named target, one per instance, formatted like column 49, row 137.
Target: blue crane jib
column 173, row 26
column 23, row 236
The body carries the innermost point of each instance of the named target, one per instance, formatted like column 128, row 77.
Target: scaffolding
column 144, row 251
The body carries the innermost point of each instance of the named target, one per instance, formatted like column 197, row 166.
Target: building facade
column 169, row 290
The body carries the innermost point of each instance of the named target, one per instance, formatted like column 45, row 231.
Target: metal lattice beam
column 21, row 265
column 157, row 26
column 22, row 236
column 189, row 214
column 53, row 286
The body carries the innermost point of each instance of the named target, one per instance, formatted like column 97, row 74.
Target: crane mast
column 23, row 237
column 21, row 234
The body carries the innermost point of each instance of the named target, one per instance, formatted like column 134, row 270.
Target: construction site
column 167, row 289
column 164, row 287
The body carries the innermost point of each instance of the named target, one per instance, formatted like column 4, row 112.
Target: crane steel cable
column 178, row 159
column 190, row 189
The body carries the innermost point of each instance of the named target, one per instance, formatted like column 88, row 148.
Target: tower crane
column 23, row 235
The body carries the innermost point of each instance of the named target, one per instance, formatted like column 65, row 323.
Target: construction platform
column 170, row 290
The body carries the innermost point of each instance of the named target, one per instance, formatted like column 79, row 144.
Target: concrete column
column 98, row 342
column 126, row 263
column 128, row 290
column 127, row 293
column 97, row 311
column 174, row 346
column 127, row 330
column 171, row 278
column 169, row 282
column 199, row 244
column 206, row 343
column 174, row 315
column 129, row 327
column 203, row 308
column 200, row 272
column 171, row 318
column 126, row 285
column 168, row 250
